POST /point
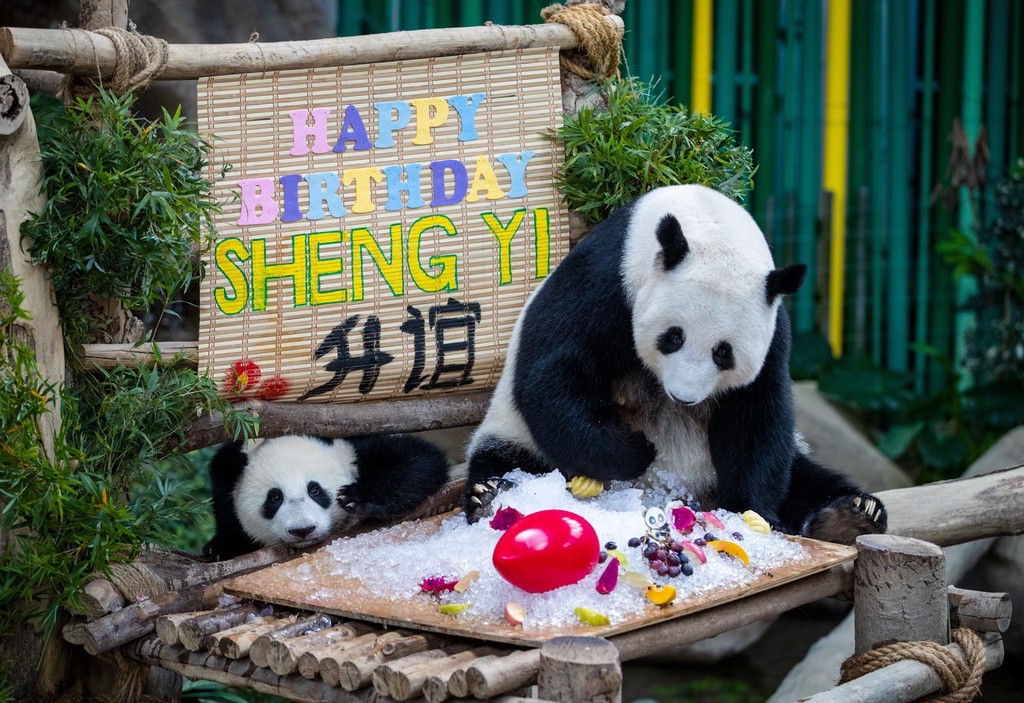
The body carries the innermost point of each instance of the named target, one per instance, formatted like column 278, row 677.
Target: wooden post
column 580, row 669
column 899, row 592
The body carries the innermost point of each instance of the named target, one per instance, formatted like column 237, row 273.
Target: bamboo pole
column 83, row 53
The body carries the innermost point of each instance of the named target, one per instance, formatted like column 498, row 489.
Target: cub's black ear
column 785, row 281
column 673, row 244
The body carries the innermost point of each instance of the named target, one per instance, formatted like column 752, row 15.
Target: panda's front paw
column 479, row 497
column 847, row 517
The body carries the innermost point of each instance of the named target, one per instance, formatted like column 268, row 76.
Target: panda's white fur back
column 290, row 464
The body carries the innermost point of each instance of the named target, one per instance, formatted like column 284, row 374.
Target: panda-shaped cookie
column 661, row 339
column 300, row 490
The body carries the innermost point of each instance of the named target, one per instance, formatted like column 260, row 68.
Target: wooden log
column 356, row 671
column 99, row 597
column 167, row 625
column 947, row 512
column 979, row 611
column 84, row 53
column 579, row 669
column 899, row 592
column 347, row 419
column 330, row 664
column 323, row 644
column 490, row 677
column 260, row 650
column 438, row 685
column 240, row 673
column 135, row 620
column 410, row 645
column 234, row 643
column 904, row 681
column 384, row 674
column 408, row 681
column 14, row 107
column 194, row 631
column 95, row 14
column 95, row 357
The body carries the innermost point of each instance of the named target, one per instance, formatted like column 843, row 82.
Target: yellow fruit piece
column 660, row 595
column 454, row 608
column 617, row 555
column 731, row 548
column 756, row 522
column 635, row 579
column 590, row 617
column 583, row 487
column 464, row 582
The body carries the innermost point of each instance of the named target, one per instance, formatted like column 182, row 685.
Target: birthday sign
column 382, row 224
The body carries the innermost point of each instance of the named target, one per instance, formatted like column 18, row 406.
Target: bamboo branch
column 93, row 357
column 83, row 53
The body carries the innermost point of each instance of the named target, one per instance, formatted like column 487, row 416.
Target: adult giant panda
column 300, row 490
column 661, row 339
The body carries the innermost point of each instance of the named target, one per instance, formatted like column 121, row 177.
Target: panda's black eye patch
column 671, row 340
column 272, row 503
column 722, row 354
column 318, row 494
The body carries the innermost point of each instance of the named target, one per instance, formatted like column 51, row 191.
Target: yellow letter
column 542, row 230
column 319, row 267
column 391, row 269
column 362, row 177
column 234, row 303
column 504, row 236
column 445, row 280
column 296, row 269
column 484, row 179
column 424, row 121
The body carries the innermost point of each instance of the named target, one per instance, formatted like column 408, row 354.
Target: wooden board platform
column 276, row 584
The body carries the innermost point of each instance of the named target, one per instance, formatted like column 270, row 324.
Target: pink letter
column 257, row 194
column 302, row 130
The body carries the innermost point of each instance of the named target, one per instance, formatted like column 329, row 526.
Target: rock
column 837, row 444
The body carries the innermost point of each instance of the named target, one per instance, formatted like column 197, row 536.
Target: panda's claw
column 480, row 496
column 846, row 517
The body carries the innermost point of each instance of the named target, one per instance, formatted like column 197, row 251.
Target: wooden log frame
column 83, row 53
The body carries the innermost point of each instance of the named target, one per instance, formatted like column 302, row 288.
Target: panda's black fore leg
column 843, row 519
column 480, row 496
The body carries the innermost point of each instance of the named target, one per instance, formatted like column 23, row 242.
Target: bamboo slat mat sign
column 382, row 226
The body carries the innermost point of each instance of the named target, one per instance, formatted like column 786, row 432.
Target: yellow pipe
column 703, row 39
column 837, row 127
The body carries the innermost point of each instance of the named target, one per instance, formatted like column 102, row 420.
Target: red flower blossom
column 272, row 388
column 242, row 376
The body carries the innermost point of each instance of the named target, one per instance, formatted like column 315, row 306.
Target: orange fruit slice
column 730, row 548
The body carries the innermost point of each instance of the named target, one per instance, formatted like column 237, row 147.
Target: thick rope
column 598, row 38
column 139, row 59
column 961, row 680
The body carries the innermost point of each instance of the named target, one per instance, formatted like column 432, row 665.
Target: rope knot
column 961, row 680
column 599, row 40
column 139, row 58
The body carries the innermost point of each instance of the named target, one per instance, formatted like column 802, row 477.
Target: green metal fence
column 915, row 67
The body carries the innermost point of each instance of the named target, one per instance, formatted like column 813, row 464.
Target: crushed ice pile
column 392, row 562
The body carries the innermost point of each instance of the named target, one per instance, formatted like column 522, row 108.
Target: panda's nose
column 302, row 532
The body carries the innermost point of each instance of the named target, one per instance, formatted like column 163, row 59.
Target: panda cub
column 299, row 490
column 661, row 339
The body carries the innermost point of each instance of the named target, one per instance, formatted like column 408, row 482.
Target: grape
column 650, row 550
column 677, row 547
column 708, row 537
column 687, row 569
column 656, row 564
column 662, row 569
column 611, row 545
column 634, row 542
column 674, row 571
column 661, row 554
column 602, row 556
column 700, row 542
column 673, row 560
column 737, row 536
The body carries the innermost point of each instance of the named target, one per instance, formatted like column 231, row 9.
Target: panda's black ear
column 673, row 244
column 785, row 281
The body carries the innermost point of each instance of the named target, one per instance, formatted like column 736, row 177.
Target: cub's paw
column 479, row 496
column 845, row 518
